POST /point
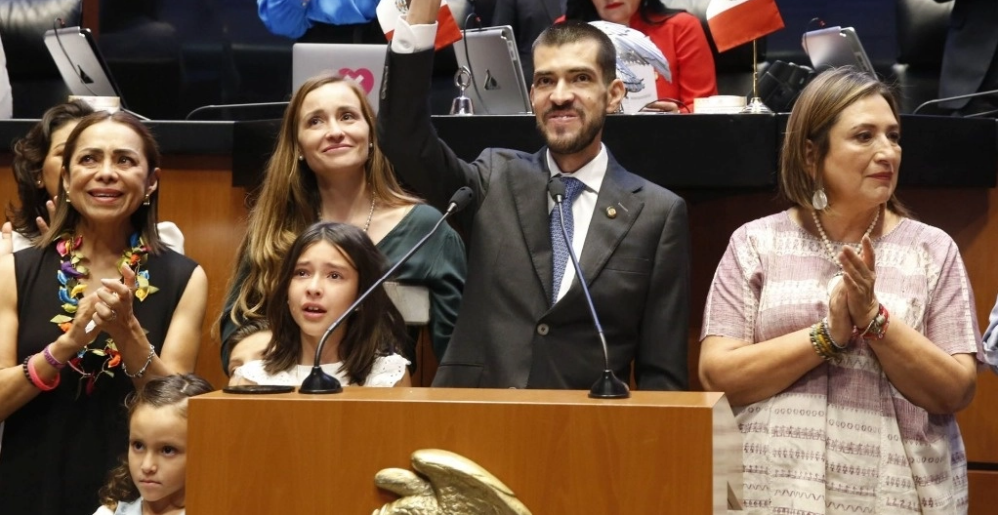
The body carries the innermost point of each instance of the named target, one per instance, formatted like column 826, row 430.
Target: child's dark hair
column 171, row 390
column 374, row 329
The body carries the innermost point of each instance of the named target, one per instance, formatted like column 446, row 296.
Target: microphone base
column 319, row 382
column 609, row 387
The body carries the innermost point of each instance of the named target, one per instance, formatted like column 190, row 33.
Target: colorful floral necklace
column 93, row 362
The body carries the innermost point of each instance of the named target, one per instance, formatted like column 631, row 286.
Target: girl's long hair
column 373, row 330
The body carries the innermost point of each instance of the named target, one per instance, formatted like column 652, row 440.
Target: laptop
column 364, row 64
column 834, row 47
column 498, row 85
column 80, row 63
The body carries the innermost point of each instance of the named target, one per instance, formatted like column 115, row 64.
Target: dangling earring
column 67, row 200
column 819, row 200
column 146, row 202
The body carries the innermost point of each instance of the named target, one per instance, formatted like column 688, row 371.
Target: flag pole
column 756, row 105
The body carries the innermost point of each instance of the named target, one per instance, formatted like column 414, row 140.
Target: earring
column 146, row 201
column 370, row 146
column 67, row 200
column 301, row 157
column 39, row 184
column 819, row 200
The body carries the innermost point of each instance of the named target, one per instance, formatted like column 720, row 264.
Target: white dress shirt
column 591, row 174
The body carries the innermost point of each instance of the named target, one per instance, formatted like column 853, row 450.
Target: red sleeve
column 697, row 76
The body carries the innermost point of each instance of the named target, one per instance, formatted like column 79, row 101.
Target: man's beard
column 587, row 133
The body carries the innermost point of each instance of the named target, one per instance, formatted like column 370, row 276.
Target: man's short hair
column 574, row 31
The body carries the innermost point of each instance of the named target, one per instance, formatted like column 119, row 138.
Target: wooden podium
column 559, row 451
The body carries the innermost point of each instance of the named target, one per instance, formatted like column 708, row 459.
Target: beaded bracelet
column 822, row 345
column 50, row 359
column 828, row 335
column 877, row 328
column 137, row 375
column 37, row 380
column 24, row 366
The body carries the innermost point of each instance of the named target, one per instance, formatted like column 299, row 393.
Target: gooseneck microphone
column 607, row 386
column 318, row 381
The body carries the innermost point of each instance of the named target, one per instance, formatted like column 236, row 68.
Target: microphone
column 319, row 381
column 958, row 97
column 607, row 386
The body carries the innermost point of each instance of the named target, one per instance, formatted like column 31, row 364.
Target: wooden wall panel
column 983, row 492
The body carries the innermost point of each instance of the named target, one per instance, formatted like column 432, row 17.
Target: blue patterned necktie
column 573, row 187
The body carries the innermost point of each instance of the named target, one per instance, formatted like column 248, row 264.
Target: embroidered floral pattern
column 94, row 361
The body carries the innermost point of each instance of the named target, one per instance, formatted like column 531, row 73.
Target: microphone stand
column 608, row 386
column 958, row 97
column 318, row 381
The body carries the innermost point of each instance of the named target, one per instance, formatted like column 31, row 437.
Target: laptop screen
column 80, row 63
column 834, row 47
column 364, row 64
column 491, row 56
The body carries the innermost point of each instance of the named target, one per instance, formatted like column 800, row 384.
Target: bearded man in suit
column 524, row 320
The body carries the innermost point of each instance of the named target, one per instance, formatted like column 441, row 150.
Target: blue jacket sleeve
column 991, row 340
column 284, row 17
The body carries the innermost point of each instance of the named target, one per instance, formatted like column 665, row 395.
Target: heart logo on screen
column 362, row 76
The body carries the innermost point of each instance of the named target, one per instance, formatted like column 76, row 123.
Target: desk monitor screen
column 80, row 63
column 364, row 64
column 491, row 56
column 834, row 47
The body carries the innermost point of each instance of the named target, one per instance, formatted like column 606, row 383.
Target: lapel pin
column 611, row 212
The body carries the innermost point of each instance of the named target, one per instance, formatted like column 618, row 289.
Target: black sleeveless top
column 57, row 449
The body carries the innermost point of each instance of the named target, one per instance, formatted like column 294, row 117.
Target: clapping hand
column 859, row 281
column 114, row 311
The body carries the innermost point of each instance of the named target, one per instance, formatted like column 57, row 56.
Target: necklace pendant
column 834, row 282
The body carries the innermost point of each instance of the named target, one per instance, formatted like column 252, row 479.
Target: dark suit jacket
column 507, row 334
column 971, row 51
column 528, row 18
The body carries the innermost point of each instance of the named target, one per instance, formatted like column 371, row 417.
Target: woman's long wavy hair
column 289, row 202
column 29, row 159
column 165, row 391
column 651, row 11
column 144, row 218
column 372, row 330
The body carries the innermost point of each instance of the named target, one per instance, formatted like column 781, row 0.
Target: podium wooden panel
column 559, row 451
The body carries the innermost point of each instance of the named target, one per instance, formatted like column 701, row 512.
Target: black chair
column 35, row 81
column 921, row 38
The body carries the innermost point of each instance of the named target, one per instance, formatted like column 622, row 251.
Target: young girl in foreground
column 327, row 267
column 152, row 480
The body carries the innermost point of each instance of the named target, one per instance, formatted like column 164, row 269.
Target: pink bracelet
column 37, row 381
column 56, row 364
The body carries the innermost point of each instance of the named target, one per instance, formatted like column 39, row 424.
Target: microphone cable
column 472, row 16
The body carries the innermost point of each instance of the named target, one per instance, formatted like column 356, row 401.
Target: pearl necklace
column 370, row 214
column 837, row 278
